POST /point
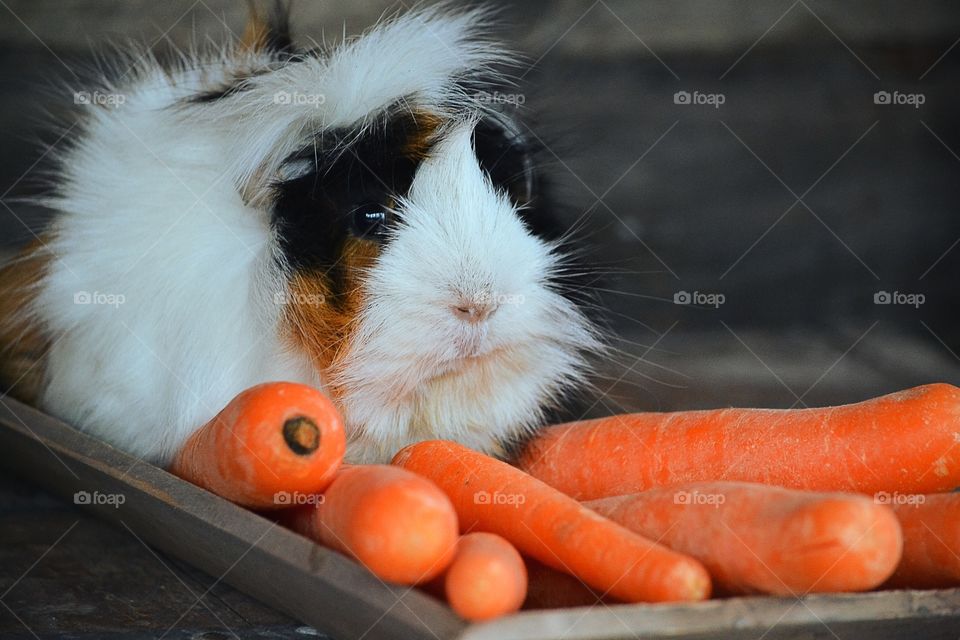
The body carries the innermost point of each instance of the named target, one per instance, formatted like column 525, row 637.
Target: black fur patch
column 237, row 85
column 509, row 158
column 346, row 169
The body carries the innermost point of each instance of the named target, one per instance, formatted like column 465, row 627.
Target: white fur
column 155, row 203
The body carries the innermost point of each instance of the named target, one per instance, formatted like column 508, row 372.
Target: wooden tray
column 335, row 595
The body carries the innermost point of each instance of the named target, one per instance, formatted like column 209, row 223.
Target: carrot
column 395, row 523
column 551, row 589
column 490, row 495
column 907, row 441
column 757, row 538
column 931, row 540
column 487, row 578
column 270, row 443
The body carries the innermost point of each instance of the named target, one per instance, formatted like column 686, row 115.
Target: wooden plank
column 64, row 572
column 878, row 615
column 666, row 27
column 320, row 587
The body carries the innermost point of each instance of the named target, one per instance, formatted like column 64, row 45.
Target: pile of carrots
column 649, row 507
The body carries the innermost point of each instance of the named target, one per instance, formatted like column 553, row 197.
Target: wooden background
column 677, row 197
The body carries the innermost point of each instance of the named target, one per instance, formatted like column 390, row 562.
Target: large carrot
column 907, row 441
column 271, row 442
column 397, row 524
column 756, row 538
column 487, row 578
column 931, row 540
column 490, row 495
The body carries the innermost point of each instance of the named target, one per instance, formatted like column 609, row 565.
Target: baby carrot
column 931, row 540
column 486, row 579
column 490, row 495
column 397, row 524
column 907, row 441
column 756, row 538
column 271, row 441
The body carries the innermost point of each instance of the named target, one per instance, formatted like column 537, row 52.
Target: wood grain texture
column 879, row 616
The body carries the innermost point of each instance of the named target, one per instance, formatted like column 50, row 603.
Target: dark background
column 674, row 197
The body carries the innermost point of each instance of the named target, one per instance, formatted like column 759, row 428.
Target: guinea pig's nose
column 473, row 310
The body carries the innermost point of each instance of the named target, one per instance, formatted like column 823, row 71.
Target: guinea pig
column 363, row 218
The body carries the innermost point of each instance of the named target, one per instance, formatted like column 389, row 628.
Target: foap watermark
column 294, row 498
column 496, row 97
column 897, row 98
column 498, row 498
column 897, row 297
column 99, row 98
column 96, row 498
column 897, row 498
column 498, row 299
column 696, row 498
column 698, row 98
column 99, row 297
column 699, row 298
column 299, row 99
column 283, row 298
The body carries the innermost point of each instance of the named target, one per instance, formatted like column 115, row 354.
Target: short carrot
column 756, row 538
column 394, row 522
column 907, row 441
column 931, row 540
column 490, row 495
column 270, row 442
column 486, row 579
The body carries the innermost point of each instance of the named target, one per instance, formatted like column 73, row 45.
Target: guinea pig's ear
column 268, row 30
column 505, row 153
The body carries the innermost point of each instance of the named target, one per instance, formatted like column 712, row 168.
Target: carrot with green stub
column 490, row 495
column 397, row 524
column 271, row 441
column 907, row 441
column 756, row 538
column 931, row 540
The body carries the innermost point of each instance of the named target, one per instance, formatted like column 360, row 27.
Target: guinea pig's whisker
column 645, row 347
column 645, row 376
column 631, row 361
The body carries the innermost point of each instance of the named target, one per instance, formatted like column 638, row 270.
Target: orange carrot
column 907, row 441
column 931, row 540
column 271, row 442
column 397, row 524
column 757, row 538
column 487, row 578
column 490, row 495
column 551, row 589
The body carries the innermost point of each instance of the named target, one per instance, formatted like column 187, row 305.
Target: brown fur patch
column 423, row 134
column 256, row 33
column 266, row 29
column 23, row 346
column 319, row 321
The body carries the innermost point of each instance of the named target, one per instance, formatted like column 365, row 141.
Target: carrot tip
column 301, row 435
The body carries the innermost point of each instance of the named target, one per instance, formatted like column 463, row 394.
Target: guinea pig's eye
column 369, row 221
